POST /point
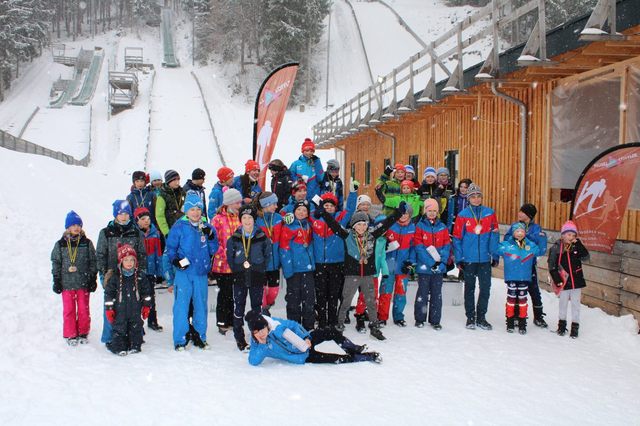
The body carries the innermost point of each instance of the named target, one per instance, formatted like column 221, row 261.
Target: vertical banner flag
column 602, row 194
column 271, row 105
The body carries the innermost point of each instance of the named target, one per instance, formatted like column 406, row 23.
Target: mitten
column 176, row 262
column 57, row 286
column 206, row 230
column 145, row 312
column 435, row 267
column 388, row 170
column 111, row 315
column 93, row 284
column 159, row 279
column 353, row 185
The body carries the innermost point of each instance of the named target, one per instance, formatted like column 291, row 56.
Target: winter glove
column 208, row 231
column 353, row 185
column 495, row 263
column 435, row 267
column 176, row 262
column 388, row 170
column 288, row 218
column 57, row 286
column 145, row 312
column 402, row 208
column 111, row 315
column 93, row 284
column 407, row 266
column 159, row 279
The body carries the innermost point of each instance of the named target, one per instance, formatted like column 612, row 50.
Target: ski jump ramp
column 168, row 45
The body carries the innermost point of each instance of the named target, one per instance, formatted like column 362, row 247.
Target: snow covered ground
column 455, row 376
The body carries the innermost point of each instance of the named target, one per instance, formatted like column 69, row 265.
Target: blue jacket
column 472, row 247
column 153, row 247
column 295, row 257
column 289, row 207
column 277, row 346
column 250, row 190
column 431, row 234
column 271, row 224
column 456, row 204
column 215, row 200
column 404, row 236
column 327, row 246
column 333, row 186
column 312, row 169
column 187, row 240
column 259, row 251
column 518, row 260
column 142, row 198
column 534, row 234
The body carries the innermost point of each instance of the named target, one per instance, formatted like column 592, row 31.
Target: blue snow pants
column 482, row 271
column 428, row 298
column 189, row 286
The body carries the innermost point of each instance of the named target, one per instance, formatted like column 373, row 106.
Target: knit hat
column 474, row 190
column 328, row 197
column 155, row 175
column 301, row 203
column 125, row 250
column 231, row 196
column 298, row 186
column 408, row 183
column 333, row 165
column 267, row 198
column 443, row 171
column 429, row 171
column 529, row 209
column 141, row 211
column 224, row 174
column 72, row 219
column 569, row 226
column 138, row 175
column 364, row 198
column 192, row 200
column 517, row 225
column 248, row 209
column 276, row 165
column 400, row 166
column 121, row 206
column 255, row 321
column 359, row 217
column 170, row 175
column 431, row 203
column 308, row 144
column 198, row 174
column 251, row 165
column 409, row 169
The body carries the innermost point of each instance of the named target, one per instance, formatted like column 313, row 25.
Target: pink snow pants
column 75, row 313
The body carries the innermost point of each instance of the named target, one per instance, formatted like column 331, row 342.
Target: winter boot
column 180, row 348
column 400, row 323
column 471, row 324
column 155, row 327
column 483, row 324
column 360, row 326
column 538, row 317
column 574, row 330
column 511, row 324
column 375, row 331
column 562, row 327
column 72, row 341
column 522, row 325
column 420, row 324
column 198, row 343
column 368, row 356
column 351, row 348
column 223, row 330
column 382, row 323
column 83, row 339
column 243, row 346
column 436, row 327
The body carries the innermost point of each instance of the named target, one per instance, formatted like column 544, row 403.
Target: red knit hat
column 400, row 166
column 408, row 183
column 251, row 165
column 141, row 211
column 329, row 197
column 308, row 144
column 125, row 250
column 224, row 174
column 298, row 186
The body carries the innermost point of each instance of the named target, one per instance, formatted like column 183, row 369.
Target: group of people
column 328, row 249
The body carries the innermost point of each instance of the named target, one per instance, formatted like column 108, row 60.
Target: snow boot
column 436, row 327
column 180, row 348
column 522, row 325
column 122, row 353
column 198, row 343
column 360, row 326
column 375, row 331
column 538, row 317
column 574, row 330
column 223, row 330
column 511, row 324
column 483, row 324
column 562, row 327
column 382, row 323
column 471, row 324
column 400, row 323
column 83, row 339
column 243, row 346
column 368, row 356
column 351, row 348
column 420, row 324
column 155, row 327
column 72, row 341
column 133, row 351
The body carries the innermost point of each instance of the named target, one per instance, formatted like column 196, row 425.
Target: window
column 353, row 170
column 367, row 172
column 451, row 162
column 413, row 160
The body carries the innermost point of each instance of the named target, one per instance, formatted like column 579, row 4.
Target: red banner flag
column 602, row 194
column 271, row 105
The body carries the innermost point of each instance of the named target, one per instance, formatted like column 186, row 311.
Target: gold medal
column 478, row 229
column 364, row 261
column 305, row 245
column 72, row 268
column 246, row 264
column 203, row 239
column 73, row 254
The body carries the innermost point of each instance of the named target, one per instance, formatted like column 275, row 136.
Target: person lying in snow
column 289, row 341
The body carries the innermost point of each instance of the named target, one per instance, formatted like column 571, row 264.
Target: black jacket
column 281, row 186
column 114, row 234
column 127, row 295
column 568, row 260
column 85, row 262
column 259, row 252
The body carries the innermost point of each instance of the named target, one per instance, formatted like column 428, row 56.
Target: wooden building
column 477, row 134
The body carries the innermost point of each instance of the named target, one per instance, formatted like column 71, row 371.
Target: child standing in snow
column 73, row 266
column 153, row 249
column 127, row 298
column 271, row 224
column 565, row 267
column 289, row 341
column 248, row 254
column 519, row 257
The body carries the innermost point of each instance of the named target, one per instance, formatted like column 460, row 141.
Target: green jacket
column 393, row 201
column 169, row 207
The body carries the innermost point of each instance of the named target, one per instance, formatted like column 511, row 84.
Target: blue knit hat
column 268, row 200
column 72, row 219
column 518, row 225
column 409, row 169
column 121, row 206
column 429, row 171
column 443, row 171
column 192, row 200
